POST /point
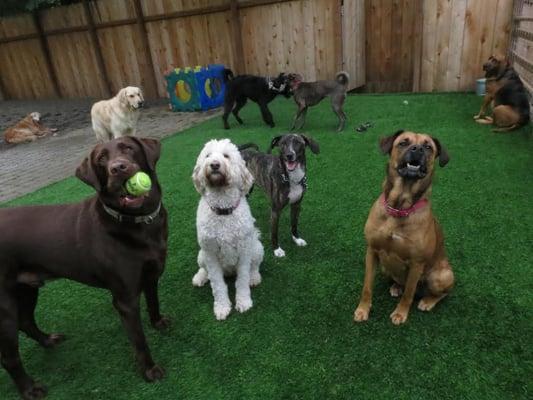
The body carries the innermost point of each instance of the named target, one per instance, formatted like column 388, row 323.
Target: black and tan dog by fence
column 506, row 94
column 401, row 232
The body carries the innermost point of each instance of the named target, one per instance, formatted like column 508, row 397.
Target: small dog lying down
column 118, row 116
column 307, row 94
column 229, row 241
column 27, row 129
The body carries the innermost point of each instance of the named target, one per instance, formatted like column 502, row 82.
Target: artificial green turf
column 299, row 341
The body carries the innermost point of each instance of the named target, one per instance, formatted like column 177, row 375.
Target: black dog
column 256, row 88
column 283, row 178
column 113, row 241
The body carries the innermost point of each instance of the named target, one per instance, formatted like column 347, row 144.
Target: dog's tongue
column 291, row 165
column 131, row 201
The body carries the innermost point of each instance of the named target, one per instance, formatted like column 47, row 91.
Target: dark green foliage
column 299, row 341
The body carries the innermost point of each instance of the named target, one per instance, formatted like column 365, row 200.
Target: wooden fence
column 521, row 52
column 94, row 48
column 432, row 45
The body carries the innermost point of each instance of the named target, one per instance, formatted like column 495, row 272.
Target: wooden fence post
column 418, row 49
column 145, row 42
column 237, row 37
column 46, row 53
column 97, row 49
column 339, row 35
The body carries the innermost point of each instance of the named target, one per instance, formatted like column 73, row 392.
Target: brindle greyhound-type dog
column 283, row 178
column 506, row 94
column 401, row 232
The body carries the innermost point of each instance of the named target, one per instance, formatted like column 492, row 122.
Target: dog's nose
column 118, row 167
column 141, row 103
column 291, row 157
column 416, row 149
column 215, row 165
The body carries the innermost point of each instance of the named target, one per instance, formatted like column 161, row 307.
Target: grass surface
column 299, row 341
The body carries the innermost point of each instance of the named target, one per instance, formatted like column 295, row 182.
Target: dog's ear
column 442, row 153
column 315, row 148
column 151, row 149
column 273, row 144
column 122, row 97
column 197, row 179
column 247, row 179
column 86, row 172
column 385, row 144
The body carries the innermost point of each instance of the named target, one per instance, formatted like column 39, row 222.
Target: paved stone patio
column 27, row 167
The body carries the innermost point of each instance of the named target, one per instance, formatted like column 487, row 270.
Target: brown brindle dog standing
column 401, row 232
column 506, row 95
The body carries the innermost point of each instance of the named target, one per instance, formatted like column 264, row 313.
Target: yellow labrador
column 118, row 116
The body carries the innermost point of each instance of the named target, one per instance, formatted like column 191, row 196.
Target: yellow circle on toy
column 139, row 184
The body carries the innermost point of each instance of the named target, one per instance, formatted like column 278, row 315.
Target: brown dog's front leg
column 152, row 303
column 400, row 313
column 486, row 101
column 363, row 309
column 129, row 310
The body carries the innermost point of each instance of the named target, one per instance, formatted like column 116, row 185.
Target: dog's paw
column 154, row 373
column 395, row 290
column 35, row 391
column 53, row 339
column 243, row 304
column 299, row 241
column 255, row 279
column 221, row 311
column 477, row 116
column 361, row 314
column 162, row 324
column 399, row 316
column 200, row 278
column 279, row 252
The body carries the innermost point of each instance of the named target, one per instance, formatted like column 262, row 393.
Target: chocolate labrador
column 112, row 241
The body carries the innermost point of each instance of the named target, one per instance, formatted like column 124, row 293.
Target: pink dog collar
column 404, row 212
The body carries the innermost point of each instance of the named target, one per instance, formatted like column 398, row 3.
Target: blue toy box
column 199, row 88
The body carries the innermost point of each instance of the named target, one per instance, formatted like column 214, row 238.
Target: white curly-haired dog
column 228, row 239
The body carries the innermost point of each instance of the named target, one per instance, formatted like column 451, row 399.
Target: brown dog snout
column 120, row 167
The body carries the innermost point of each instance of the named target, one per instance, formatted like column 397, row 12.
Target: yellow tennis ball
column 139, row 184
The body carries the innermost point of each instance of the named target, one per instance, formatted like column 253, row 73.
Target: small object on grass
column 405, row 102
column 139, row 184
column 363, row 127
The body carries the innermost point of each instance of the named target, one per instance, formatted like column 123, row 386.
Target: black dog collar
column 271, row 86
column 303, row 181
column 225, row 211
column 147, row 219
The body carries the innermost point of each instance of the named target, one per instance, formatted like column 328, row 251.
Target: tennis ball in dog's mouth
column 139, row 184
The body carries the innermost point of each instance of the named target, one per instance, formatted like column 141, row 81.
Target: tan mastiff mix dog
column 401, row 232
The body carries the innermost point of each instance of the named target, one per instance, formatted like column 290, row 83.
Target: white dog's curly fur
column 228, row 239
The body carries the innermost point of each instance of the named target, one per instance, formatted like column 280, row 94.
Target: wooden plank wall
column 522, row 43
column 456, row 37
column 353, row 42
column 301, row 36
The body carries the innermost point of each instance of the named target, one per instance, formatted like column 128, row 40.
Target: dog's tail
column 228, row 75
column 342, row 77
column 248, row 146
